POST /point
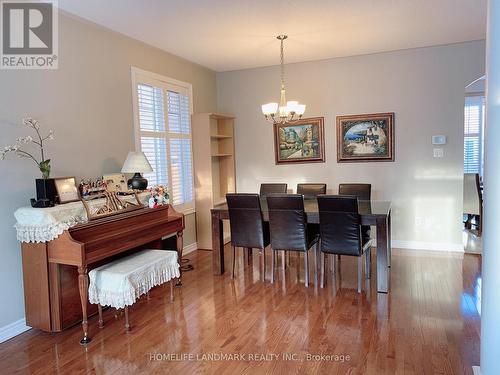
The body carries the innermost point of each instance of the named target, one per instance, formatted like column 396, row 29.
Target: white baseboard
column 429, row 246
column 13, row 329
column 189, row 248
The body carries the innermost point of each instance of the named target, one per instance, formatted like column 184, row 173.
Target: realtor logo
column 28, row 34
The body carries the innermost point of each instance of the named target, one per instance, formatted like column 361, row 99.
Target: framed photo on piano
column 67, row 190
column 116, row 182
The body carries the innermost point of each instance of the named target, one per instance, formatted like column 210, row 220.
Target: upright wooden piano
column 55, row 273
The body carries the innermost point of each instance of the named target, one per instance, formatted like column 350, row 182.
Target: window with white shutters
column 474, row 111
column 181, row 166
column 162, row 112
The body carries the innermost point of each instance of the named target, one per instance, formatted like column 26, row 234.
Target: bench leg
column 171, row 290
column 127, row 324
column 101, row 322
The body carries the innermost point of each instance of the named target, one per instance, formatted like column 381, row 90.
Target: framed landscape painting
column 302, row 141
column 362, row 138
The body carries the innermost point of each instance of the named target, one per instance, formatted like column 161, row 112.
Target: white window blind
column 181, row 165
column 473, row 134
column 163, row 133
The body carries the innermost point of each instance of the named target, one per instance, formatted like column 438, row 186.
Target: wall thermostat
column 439, row 139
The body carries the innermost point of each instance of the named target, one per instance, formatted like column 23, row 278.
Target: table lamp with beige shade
column 137, row 163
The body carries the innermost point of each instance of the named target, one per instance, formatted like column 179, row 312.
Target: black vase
column 46, row 192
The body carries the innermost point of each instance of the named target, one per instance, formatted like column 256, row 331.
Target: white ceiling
column 237, row 34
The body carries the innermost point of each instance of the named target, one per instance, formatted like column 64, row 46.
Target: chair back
column 339, row 223
column 245, row 219
column 472, row 195
column 362, row 191
column 266, row 189
column 287, row 222
column 311, row 190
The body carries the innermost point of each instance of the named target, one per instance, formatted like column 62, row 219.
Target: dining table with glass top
column 374, row 213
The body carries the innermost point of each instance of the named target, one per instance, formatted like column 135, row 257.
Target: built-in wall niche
column 214, row 168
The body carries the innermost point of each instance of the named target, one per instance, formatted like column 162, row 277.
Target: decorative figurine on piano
column 90, row 188
column 159, row 196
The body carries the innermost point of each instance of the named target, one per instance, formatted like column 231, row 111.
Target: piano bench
column 121, row 282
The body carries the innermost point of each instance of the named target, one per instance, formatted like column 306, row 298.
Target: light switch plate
column 438, row 152
column 439, row 139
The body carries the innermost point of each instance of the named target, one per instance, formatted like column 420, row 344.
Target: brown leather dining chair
column 364, row 193
column 289, row 230
column 473, row 201
column 266, row 189
column 340, row 231
column 248, row 229
column 361, row 191
column 311, row 190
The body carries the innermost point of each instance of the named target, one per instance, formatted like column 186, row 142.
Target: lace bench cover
column 121, row 282
column 46, row 224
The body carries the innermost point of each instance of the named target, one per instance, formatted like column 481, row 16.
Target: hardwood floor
column 428, row 324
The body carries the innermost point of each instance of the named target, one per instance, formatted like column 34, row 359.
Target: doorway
column 474, row 120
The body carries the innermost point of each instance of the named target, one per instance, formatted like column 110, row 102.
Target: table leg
column 389, row 240
column 83, row 286
column 383, row 244
column 217, row 245
column 180, row 246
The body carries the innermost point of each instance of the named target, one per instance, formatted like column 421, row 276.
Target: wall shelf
column 214, row 169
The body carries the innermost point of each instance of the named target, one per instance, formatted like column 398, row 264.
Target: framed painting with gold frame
column 301, row 141
column 365, row 138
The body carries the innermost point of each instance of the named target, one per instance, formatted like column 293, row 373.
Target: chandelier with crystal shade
column 283, row 112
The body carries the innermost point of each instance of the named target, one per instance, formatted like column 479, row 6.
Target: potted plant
column 45, row 188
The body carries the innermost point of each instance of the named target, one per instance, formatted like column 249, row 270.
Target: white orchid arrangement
column 42, row 163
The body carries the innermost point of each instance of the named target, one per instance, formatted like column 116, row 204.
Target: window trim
column 143, row 76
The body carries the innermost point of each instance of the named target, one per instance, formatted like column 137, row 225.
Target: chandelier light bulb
column 269, row 108
column 301, row 108
column 292, row 106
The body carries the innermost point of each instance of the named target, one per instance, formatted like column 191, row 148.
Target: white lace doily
column 46, row 224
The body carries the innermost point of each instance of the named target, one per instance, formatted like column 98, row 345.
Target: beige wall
column 88, row 103
column 424, row 87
